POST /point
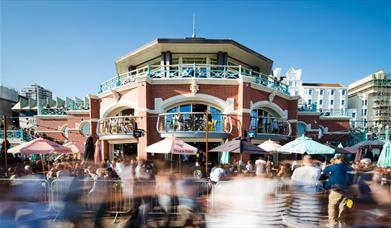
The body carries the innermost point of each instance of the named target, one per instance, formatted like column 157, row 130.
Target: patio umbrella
column 89, row 149
column 303, row 145
column 75, row 148
column 367, row 143
column 239, row 146
column 39, row 146
column 385, row 156
column 98, row 152
column 340, row 145
column 269, row 146
column 338, row 149
column 171, row 145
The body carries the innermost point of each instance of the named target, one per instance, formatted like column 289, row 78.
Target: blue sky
column 70, row 46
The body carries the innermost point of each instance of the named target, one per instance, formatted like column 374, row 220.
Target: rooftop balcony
column 199, row 71
column 193, row 125
column 117, row 127
column 269, row 128
column 324, row 112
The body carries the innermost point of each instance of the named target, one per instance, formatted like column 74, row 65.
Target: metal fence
column 118, row 196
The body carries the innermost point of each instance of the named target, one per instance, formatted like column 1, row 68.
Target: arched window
column 264, row 120
column 191, row 117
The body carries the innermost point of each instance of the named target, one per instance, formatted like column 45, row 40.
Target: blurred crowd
column 301, row 193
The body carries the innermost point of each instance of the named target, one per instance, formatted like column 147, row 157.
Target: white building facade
column 329, row 98
column 370, row 102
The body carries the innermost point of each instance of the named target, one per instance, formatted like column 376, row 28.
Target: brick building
column 166, row 88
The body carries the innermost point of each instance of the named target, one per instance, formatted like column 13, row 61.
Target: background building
column 32, row 91
column 327, row 98
column 370, row 102
column 8, row 98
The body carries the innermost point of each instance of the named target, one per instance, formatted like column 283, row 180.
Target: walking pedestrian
column 338, row 182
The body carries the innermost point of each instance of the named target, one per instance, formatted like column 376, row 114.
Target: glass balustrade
column 117, row 125
column 193, row 121
column 270, row 125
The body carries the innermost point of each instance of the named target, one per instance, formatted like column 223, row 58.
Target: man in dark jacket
column 339, row 181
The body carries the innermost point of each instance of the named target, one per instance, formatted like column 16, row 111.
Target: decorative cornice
column 51, row 116
column 334, row 118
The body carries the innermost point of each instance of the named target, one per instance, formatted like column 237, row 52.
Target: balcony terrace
column 199, row 71
column 270, row 128
column 323, row 112
column 193, row 124
column 117, row 127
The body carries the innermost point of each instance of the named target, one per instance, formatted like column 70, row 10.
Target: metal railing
column 19, row 134
column 199, row 71
column 270, row 125
column 117, row 125
column 323, row 112
column 120, row 197
column 335, row 113
column 193, row 121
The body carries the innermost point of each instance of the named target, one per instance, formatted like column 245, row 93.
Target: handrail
column 116, row 125
column 272, row 125
column 193, row 121
column 18, row 134
column 202, row 71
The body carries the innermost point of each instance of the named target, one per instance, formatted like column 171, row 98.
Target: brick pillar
column 94, row 117
column 142, row 122
column 105, row 149
column 244, row 107
column 292, row 117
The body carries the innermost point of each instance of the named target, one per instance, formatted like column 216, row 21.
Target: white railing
column 199, row 71
column 192, row 122
column 117, row 125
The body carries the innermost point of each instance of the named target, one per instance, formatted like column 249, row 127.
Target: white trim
column 126, row 103
column 199, row 97
column 50, row 131
column 78, row 112
column 185, row 81
column 51, row 116
column 270, row 90
column 308, row 113
column 267, row 104
column 240, row 111
column 92, row 96
column 334, row 118
column 337, row 132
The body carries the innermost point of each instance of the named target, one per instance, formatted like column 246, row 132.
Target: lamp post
column 5, row 143
column 206, row 141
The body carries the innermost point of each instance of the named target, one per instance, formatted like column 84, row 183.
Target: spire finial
column 194, row 29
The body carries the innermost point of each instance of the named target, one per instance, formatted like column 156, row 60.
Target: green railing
column 16, row 134
column 199, row 71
